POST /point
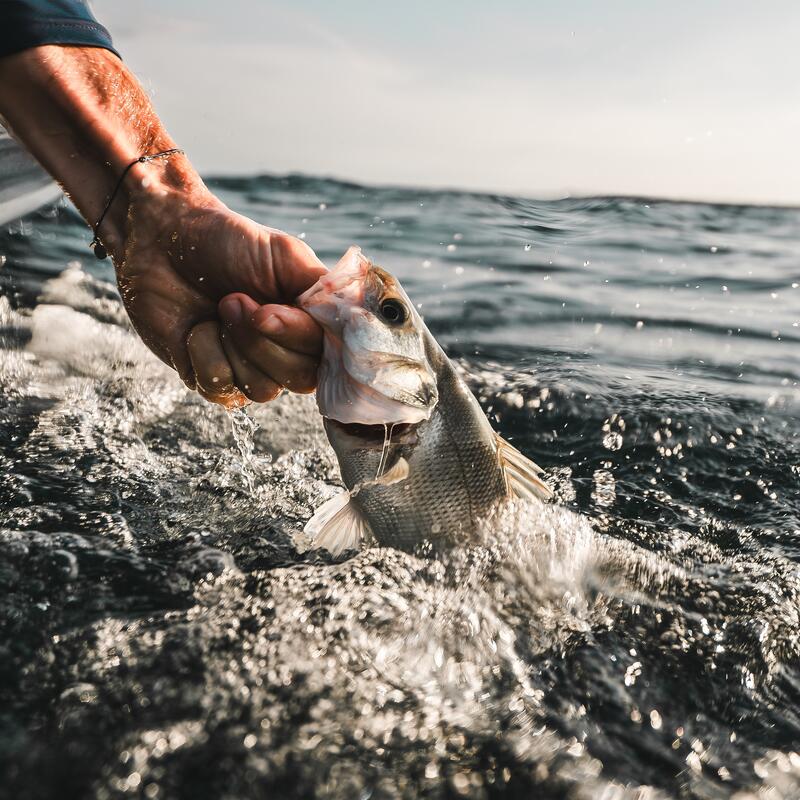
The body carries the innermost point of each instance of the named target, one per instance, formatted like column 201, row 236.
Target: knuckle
column 218, row 385
column 262, row 391
column 215, row 376
column 199, row 336
column 303, row 381
column 290, row 248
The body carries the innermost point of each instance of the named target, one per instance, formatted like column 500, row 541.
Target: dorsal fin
column 522, row 475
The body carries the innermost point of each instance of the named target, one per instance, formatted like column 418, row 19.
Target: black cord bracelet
column 96, row 245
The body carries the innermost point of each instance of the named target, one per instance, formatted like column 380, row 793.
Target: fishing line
column 387, row 440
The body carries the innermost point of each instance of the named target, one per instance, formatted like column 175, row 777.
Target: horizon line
column 212, row 175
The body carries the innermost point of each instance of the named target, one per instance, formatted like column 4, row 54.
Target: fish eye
column 393, row 311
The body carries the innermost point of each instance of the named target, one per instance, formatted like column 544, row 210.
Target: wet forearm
column 85, row 117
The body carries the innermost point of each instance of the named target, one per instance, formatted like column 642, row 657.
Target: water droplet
column 460, row 783
column 655, row 720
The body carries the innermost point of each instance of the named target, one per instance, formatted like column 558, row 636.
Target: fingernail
column 231, row 311
column 272, row 325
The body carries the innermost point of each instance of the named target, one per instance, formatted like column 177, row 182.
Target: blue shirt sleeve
column 29, row 23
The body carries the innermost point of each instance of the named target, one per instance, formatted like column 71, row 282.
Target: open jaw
column 374, row 436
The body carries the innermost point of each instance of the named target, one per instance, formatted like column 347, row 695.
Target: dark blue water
column 163, row 633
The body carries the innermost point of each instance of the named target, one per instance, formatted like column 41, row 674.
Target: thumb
column 295, row 265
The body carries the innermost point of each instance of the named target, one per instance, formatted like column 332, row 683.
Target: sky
column 696, row 100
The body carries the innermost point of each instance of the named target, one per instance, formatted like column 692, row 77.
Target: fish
column 419, row 459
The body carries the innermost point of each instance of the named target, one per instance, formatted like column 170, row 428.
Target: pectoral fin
column 399, row 472
column 337, row 526
column 522, row 475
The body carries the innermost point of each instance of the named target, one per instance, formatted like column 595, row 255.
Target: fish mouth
column 337, row 293
column 375, row 435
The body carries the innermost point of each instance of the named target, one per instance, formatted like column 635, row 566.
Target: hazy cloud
column 689, row 100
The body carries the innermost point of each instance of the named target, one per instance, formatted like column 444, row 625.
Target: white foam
column 82, row 344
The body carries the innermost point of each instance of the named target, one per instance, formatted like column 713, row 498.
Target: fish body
column 417, row 454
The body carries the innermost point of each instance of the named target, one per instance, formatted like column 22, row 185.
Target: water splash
column 162, row 635
column 244, row 428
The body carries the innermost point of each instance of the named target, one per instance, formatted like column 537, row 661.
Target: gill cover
column 373, row 371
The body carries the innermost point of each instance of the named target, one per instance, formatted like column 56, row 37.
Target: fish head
column 375, row 368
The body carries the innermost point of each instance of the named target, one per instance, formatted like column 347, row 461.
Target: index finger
column 287, row 326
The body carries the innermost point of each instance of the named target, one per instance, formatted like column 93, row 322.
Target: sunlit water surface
column 163, row 633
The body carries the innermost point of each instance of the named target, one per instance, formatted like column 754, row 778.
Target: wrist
column 85, row 118
column 158, row 199
column 156, row 189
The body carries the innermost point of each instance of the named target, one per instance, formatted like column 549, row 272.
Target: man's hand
column 177, row 249
column 183, row 255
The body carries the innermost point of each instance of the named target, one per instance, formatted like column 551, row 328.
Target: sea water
column 165, row 633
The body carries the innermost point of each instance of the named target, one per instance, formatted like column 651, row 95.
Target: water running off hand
column 244, row 429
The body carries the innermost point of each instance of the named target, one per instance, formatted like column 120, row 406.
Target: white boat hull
column 24, row 185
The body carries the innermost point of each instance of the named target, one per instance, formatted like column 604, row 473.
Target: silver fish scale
column 454, row 477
